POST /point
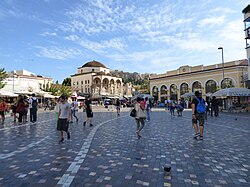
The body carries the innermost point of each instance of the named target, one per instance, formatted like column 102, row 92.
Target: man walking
column 214, row 107
column 147, row 107
column 63, row 118
column 3, row 107
column 198, row 114
column 89, row 112
column 33, row 108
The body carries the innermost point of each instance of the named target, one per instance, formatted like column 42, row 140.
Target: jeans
column 140, row 124
column 33, row 114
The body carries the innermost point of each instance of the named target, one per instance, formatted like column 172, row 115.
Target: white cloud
column 58, row 53
column 212, row 21
column 48, row 34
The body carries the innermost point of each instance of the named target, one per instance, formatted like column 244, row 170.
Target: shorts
column 200, row 118
column 89, row 113
column 62, row 125
column 2, row 113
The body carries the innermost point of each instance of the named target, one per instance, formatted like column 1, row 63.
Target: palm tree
column 3, row 76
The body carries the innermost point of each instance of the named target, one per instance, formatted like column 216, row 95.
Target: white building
column 94, row 78
column 22, row 80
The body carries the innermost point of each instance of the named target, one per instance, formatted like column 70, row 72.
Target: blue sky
column 55, row 37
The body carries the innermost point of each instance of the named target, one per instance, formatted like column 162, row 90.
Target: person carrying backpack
column 33, row 108
column 198, row 114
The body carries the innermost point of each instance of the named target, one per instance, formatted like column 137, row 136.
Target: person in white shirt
column 63, row 118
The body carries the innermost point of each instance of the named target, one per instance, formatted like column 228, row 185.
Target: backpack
column 201, row 108
column 34, row 103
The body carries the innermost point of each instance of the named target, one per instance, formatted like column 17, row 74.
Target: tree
column 67, row 82
column 3, row 76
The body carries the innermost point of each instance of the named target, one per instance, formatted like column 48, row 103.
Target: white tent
column 230, row 92
column 7, row 93
column 185, row 95
column 47, row 95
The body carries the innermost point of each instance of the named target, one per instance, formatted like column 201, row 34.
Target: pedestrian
column 140, row 115
column 198, row 113
column 3, row 107
column 33, row 108
column 89, row 112
column 46, row 104
column 14, row 107
column 148, row 108
column 118, row 107
column 171, row 106
column 63, row 118
column 214, row 107
column 180, row 109
column 26, row 103
column 73, row 109
column 20, row 109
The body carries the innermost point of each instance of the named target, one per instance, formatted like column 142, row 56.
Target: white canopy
column 80, row 97
column 7, row 93
column 47, row 95
column 227, row 92
column 185, row 95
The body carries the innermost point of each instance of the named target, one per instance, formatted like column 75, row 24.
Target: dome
column 94, row 64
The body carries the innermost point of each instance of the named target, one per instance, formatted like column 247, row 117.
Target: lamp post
column 14, row 81
column 222, row 57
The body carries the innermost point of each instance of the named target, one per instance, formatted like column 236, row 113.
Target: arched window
column 173, row 92
column 183, row 88
column 227, row 83
column 163, row 93
column 211, row 86
column 196, row 86
column 155, row 92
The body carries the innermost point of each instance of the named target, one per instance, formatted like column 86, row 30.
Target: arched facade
column 206, row 79
column 173, row 92
column 227, row 83
column 196, row 86
column 155, row 92
column 163, row 93
column 183, row 88
column 94, row 78
column 210, row 86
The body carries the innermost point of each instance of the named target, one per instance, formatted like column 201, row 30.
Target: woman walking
column 140, row 115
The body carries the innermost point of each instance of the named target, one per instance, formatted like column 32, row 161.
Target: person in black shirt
column 118, row 107
column 214, row 107
column 196, row 116
column 89, row 112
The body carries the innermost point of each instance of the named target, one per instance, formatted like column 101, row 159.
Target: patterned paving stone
column 109, row 154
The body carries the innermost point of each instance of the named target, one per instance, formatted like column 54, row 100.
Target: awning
column 7, row 93
column 227, row 92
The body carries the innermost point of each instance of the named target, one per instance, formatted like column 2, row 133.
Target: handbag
column 133, row 113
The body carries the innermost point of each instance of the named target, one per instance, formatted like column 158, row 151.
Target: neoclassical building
column 23, row 80
column 94, row 78
column 207, row 79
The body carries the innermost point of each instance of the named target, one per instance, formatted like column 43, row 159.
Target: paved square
column 109, row 153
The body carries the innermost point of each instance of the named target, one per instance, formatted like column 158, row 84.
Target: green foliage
column 67, row 82
column 65, row 91
column 3, row 76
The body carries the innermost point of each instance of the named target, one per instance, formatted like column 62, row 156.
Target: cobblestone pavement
column 109, row 153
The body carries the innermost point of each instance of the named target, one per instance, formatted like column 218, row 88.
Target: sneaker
column 61, row 141
column 84, row 123
column 196, row 136
column 201, row 137
column 91, row 125
column 68, row 135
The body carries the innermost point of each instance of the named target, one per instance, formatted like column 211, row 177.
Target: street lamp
column 222, row 57
column 14, row 81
